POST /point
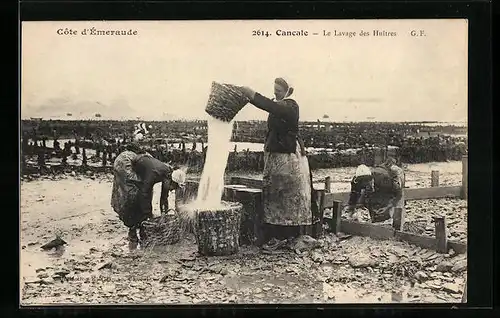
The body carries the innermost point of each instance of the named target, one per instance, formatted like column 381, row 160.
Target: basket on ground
column 225, row 101
column 217, row 231
column 162, row 230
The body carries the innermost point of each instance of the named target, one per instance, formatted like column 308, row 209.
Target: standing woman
column 287, row 181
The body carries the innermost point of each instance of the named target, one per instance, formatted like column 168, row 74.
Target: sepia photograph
column 243, row 162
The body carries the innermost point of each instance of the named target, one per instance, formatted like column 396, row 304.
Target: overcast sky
column 167, row 69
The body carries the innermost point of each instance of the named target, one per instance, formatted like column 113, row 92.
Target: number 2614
column 260, row 33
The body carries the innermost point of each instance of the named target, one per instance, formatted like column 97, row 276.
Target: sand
column 79, row 209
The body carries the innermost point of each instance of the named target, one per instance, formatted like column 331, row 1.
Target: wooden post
column 441, row 239
column 434, row 178
column 104, row 157
column 398, row 219
column 328, row 185
column 465, row 172
column 319, row 197
column 65, row 156
column 337, row 216
column 84, row 157
column 378, row 156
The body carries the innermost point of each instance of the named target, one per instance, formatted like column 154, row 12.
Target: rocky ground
column 97, row 267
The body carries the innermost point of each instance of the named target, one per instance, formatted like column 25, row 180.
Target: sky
column 166, row 70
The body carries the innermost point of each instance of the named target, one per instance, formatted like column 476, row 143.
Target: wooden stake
column 104, row 158
column 328, row 185
column 319, row 197
column 84, row 157
column 441, row 239
column 434, row 178
column 337, row 216
column 398, row 219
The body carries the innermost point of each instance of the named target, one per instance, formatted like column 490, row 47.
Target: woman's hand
column 248, row 92
column 163, row 207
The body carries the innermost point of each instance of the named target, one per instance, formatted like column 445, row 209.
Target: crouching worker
column 135, row 174
column 383, row 190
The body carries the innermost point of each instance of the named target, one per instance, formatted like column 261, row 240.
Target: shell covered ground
column 97, row 267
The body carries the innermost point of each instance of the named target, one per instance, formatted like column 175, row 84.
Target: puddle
column 33, row 257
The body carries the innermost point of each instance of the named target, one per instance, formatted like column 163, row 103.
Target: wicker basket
column 225, row 101
column 162, row 230
column 217, row 232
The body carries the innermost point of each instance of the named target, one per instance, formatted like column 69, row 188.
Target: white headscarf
column 363, row 170
column 290, row 89
column 140, row 131
column 179, row 177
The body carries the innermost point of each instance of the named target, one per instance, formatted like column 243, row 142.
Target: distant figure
column 140, row 132
column 383, row 188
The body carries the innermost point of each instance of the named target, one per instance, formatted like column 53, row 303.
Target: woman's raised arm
column 286, row 109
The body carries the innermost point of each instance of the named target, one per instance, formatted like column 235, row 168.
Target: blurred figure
column 383, row 190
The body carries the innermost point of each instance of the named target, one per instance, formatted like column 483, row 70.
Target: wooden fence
column 336, row 201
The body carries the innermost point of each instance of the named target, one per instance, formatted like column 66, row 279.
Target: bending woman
column 287, row 181
column 135, row 174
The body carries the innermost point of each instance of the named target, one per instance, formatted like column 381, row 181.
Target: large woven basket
column 225, row 101
column 162, row 230
column 217, row 232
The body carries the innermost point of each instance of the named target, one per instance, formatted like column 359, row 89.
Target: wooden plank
column 419, row 240
column 341, row 196
column 366, row 229
column 458, row 247
column 432, row 193
column 440, row 230
column 409, row 194
column 328, row 200
column 250, row 182
column 434, row 178
column 413, row 194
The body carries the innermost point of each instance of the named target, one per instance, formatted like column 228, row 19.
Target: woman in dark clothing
column 287, row 185
column 134, row 178
column 383, row 190
column 152, row 171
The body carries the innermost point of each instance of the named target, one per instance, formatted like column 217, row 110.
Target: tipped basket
column 225, row 101
column 161, row 231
